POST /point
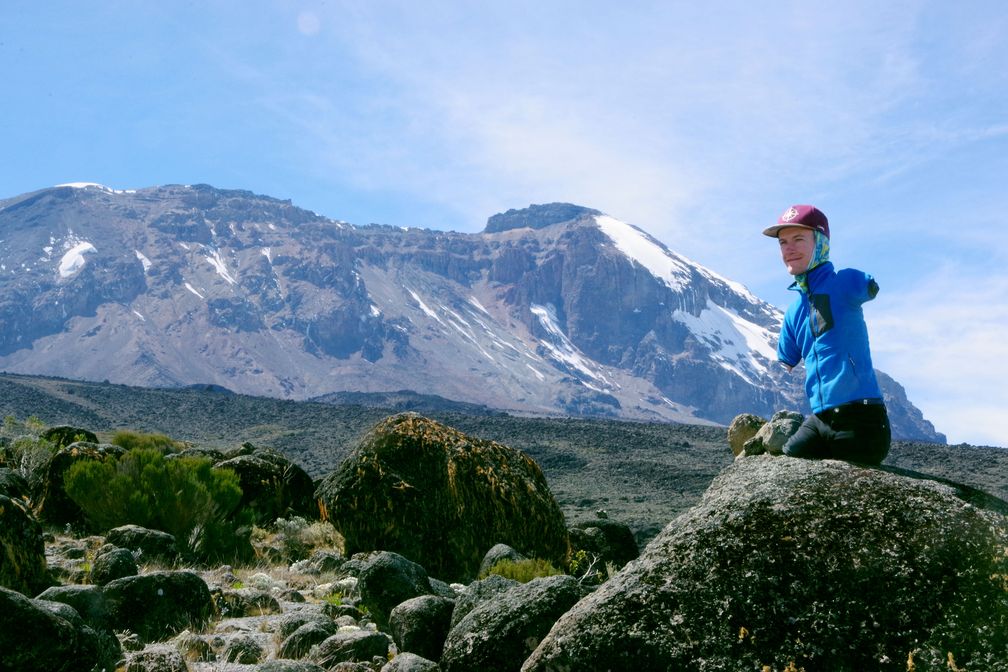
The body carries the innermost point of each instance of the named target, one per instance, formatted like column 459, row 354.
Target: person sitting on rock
column 825, row 327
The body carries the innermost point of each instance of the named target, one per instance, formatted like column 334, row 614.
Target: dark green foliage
column 131, row 440
column 184, row 496
column 65, row 435
column 524, row 571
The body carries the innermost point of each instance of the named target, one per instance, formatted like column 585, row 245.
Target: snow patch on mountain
column 735, row 343
column 667, row 266
column 563, row 351
column 193, row 290
column 218, row 263
column 73, row 260
column 143, row 260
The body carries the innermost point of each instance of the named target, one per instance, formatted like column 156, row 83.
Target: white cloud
column 944, row 341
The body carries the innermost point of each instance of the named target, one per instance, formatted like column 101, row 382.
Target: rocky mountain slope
column 554, row 309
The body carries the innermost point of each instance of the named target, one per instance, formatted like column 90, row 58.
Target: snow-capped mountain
column 551, row 309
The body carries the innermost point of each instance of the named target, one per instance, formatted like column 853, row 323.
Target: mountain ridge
column 553, row 309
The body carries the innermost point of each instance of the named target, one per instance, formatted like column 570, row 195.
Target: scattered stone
column 35, row 638
column 498, row 553
column 243, row 649
column 279, row 665
column 741, row 429
column 301, row 641
column 410, row 662
column 387, row 579
column 158, row 605
column 87, row 600
column 351, row 646
column 153, row 546
column 420, row 625
column 503, row 631
column 246, row 602
column 478, row 592
column 160, row 658
column 113, row 564
column 772, row 436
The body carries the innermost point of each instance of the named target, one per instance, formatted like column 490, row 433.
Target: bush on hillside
column 523, row 571
column 184, row 496
column 130, row 440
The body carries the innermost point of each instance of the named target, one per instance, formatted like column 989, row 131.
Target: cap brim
column 774, row 230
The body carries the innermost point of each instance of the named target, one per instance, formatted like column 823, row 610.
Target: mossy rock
column 441, row 498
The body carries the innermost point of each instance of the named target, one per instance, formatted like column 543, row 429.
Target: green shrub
column 131, row 440
column 524, row 571
column 184, row 496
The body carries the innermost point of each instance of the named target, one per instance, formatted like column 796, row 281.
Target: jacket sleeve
column 787, row 347
column 860, row 287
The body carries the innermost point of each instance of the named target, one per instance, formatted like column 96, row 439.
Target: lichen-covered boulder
column 158, row 605
column 772, row 436
column 502, row 631
column 150, row 545
column 272, row 486
column 814, row 564
column 111, row 564
column 64, row 435
column 51, row 503
column 743, row 428
column 33, row 637
column 22, row 552
column 420, row 625
column 13, row 484
column 386, row 579
column 606, row 543
column 441, row 498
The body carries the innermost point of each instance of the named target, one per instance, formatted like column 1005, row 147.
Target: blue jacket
column 826, row 328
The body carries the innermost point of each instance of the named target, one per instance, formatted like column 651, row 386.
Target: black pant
column 855, row 432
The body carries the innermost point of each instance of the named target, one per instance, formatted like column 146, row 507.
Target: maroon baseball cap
column 805, row 216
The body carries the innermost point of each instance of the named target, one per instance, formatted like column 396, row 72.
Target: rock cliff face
column 817, row 564
column 552, row 309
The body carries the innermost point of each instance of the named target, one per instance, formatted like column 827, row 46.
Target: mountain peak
column 536, row 216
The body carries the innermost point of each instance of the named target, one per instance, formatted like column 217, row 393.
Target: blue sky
column 698, row 122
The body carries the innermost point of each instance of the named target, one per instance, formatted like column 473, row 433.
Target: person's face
column 796, row 245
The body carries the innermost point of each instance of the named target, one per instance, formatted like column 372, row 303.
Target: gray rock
column 478, row 592
column 743, row 428
column 410, row 662
column 500, row 633
column 823, row 563
column 498, row 553
column 280, row 665
column 87, row 600
column 243, row 649
column 152, row 545
column 160, row 658
column 420, row 625
column 113, row 564
column 300, row 642
column 351, row 646
column 387, row 579
column 36, row 638
column 772, row 436
column 158, row 605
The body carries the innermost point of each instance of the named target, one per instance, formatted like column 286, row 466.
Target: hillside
column 641, row 473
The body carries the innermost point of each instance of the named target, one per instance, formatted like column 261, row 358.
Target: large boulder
column 22, row 552
column 387, row 579
column 64, row 435
column 52, row 504
column 821, row 565
column 35, row 637
column 441, row 498
column 272, row 486
column 420, row 625
column 150, row 545
column 500, row 633
column 158, row 605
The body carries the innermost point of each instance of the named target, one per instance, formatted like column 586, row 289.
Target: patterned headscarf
column 820, row 255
